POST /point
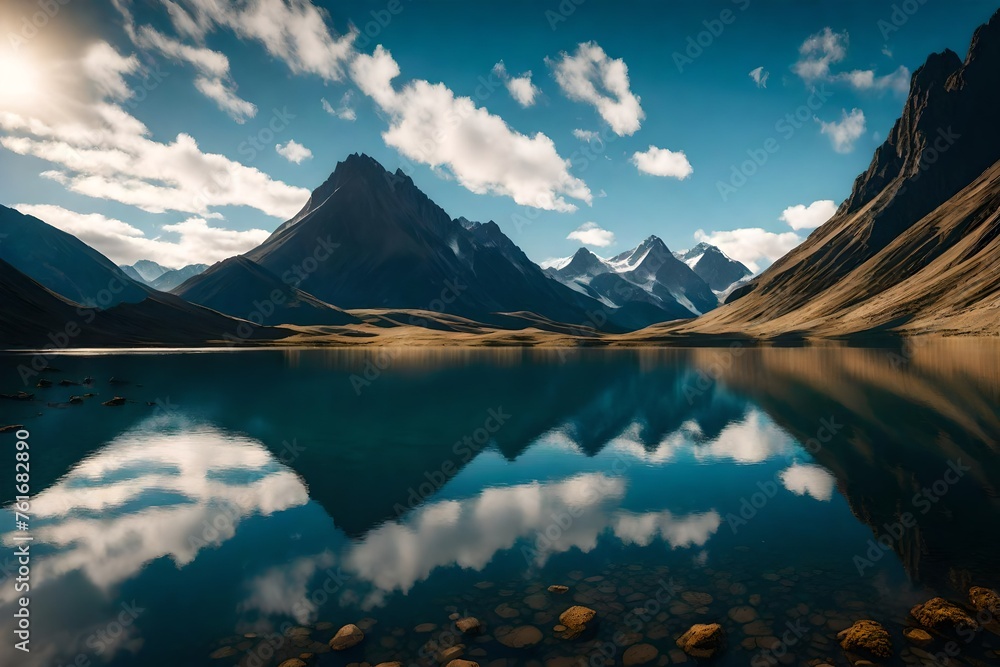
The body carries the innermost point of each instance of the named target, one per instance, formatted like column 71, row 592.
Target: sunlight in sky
column 20, row 76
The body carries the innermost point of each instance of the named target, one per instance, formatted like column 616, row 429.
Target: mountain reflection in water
column 267, row 487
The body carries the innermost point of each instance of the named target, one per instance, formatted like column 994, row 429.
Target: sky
column 185, row 131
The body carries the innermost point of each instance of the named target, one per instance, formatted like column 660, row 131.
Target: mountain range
column 160, row 277
column 914, row 248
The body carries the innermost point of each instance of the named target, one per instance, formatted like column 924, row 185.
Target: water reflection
column 274, row 478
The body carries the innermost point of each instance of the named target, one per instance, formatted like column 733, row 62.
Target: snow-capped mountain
column 647, row 274
column 720, row 271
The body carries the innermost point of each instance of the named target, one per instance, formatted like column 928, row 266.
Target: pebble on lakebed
column 520, row 637
column 348, row 636
column 702, row 640
column 917, row 637
column 469, row 626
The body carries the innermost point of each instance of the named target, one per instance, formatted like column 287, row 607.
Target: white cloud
column 344, row 111
column 519, row 87
column 586, row 135
column 294, row 31
column 886, row 51
column 293, row 151
column 590, row 233
column 663, row 162
column 98, row 149
column 106, row 68
column 818, row 52
column 808, row 479
column 844, row 133
column 429, row 124
column 579, row 76
column 760, row 77
column 197, row 242
column 213, row 79
column 898, row 81
column 183, row 22
column 812, row 216
column 751, row 245
column 826, row 48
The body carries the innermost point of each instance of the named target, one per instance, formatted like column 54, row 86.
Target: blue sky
column 235, row 85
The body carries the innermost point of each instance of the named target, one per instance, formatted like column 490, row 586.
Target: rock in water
column 917, row 637
column 521, row 637
column 866, row 638
column 985, row 599
column 942, row 616
column 117, row 400
column 293, row 662
column 453, row 663
column 702, row 640
column 578, row 621
column 469, row 626
column 558, row 589
column 348, row 636
column 640, row 654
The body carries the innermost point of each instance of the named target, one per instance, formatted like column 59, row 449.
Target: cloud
column 293, row 151
column 886, row 51
column 820, row 51
column 213, row 78
column 591, row 76
column 429, row 124
column 826, row 48
column 751, row 245
column 590, row 233
column 344, row 111
column 519, row 87
column 197, row 242
column 808, row 479
column 663, row 162
column 760, row 77
column 812, row 216
column 294, row 31
column 586, row 135
column 106, row 68
column 843, row 134
column 99, row 150
column 898, row 81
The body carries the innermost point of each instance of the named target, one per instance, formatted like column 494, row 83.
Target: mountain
column 368, row 238
column 916, row 245
column 714, row 267
column 174, row 277
column 649, row 274
column 37, row 317
column 159, row 277
column 63, row 263
column 243, row 288
column 148, row 270
column 59, row 291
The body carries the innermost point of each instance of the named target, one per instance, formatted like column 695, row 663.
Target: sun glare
column 19, row 77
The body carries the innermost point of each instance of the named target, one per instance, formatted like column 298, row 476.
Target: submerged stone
column 348, row 636
column 702, row 640
column 866, row 638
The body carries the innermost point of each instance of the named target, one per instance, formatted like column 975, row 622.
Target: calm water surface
column 243, row 505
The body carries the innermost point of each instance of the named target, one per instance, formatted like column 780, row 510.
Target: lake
column 240, row 507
